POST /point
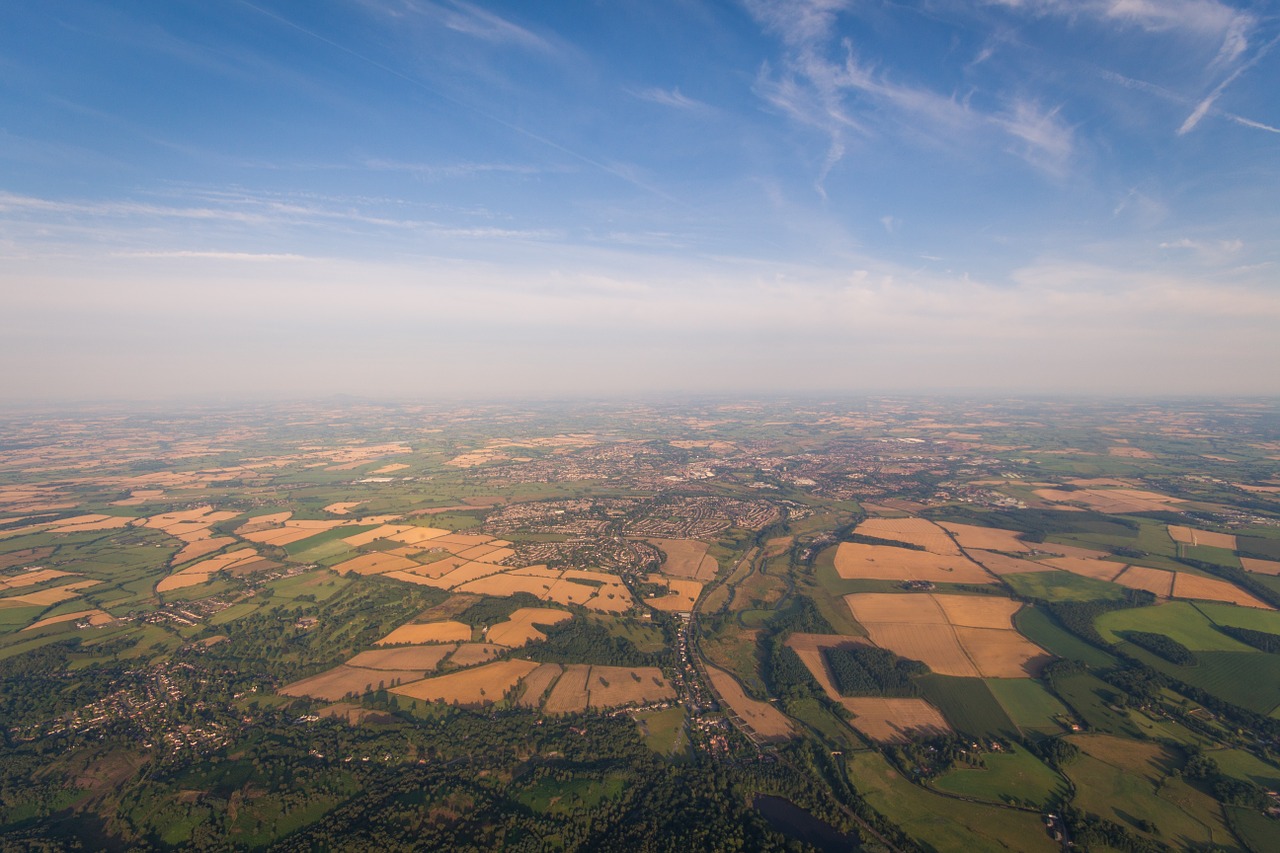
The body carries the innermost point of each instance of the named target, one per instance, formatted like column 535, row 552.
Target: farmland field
column 969, row 705
column 1028, row 704
column 1015, row 776
column 1057, row 585
column 855, row 560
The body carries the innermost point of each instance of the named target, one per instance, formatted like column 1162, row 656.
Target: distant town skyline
column 407, row 199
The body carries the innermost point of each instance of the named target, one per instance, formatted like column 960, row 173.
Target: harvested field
column 615, row 686
column 334, row 684
column 1102, row 570
column 422, row 658
column 681, row 594
column 1153, row 580
column 568, row 592
column 971, row 611
column 93, row 617
column 416, row 535
column 536, row 684
column 47, row 597
column 202, row 547
column 342, row 507
column 916, row 531
column 508, row 584
column 481, row 685
column 27, row 556
column 895, row 720
column 375, row 564
column 1211, row 589
column 428, row 632
column 469, row 540
column 1070, row 551
column 1191, row 536
column 985, row 538
column 1112, row 501
column 103, row 523
column 420, row 580
column 520, row 627
column 469, row 572
column 471, row 654
column 1262, row 567
column 385, row 531
column 1126, row 452
column 884, row 562
column 32, row 578
column 390, row 469
column 570, row 692
column 969, row 636
column 1005, row 565
column 182, row 581
column 478, row 552
column 686, row 558
column 764, row 719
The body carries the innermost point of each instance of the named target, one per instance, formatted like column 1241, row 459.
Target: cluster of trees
column 784, row 673
column 1078, row 616
column 1258, row 639
column 1087, row 830
column 586, row 641
column 1162, row 646
column 1226, row 789
column 870, row 671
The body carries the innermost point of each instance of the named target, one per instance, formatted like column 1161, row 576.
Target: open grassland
column 1125, row 781
column 1029, row 704
column 968, row 705
column 665, row 730
column 1248, row 679
column 1035, row 624
column 1015, row 777
column 1178, row 620
column 970, row 636
column 763, row 719
column 1092, row 701
column 855, row 560
column 1241, row 617
column 947, row 825
column 1056, row 585
column 481, row 685
column 889, row 720
column 913, row 531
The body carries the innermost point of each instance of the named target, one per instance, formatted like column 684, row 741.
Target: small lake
column 794, row 822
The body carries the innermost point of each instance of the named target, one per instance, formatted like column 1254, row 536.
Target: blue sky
column 416, row 198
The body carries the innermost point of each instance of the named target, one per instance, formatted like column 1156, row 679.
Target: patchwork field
column 1191, row 536
column 537, row 683
column 764, row 719
column 971, row 636
column 520, row 627
column 1211, row 589
column 973, row 537
column 681, row 594
column 895, row 720
column 580, row 687
column 481, row 685
column 686, row 558
column 423, row 658
column 341, row 681
column 914, row 531
column 855, row 560
column 1262, row 567
column 428, row 632
column 1112, row 501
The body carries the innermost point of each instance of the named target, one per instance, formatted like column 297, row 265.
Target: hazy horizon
column 405, row 199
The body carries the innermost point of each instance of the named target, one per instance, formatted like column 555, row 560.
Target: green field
column 1061, row 586
column 1039, row 627
column 1247, row 766
column 1091, row 698
column 1015, row 777
column 1241, row 617
column 1248, row 679
column 664, row 731
column 945, row 824
column 1028, row 704
column 968, row 705
column 1127, row 781
column 1254, row 829
column 1178, row 620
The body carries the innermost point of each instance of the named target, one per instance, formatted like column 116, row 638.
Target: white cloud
column 673, row 98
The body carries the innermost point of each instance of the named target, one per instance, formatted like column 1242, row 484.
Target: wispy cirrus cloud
column 823, row 83
column 467, row 19
column 671, row 98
